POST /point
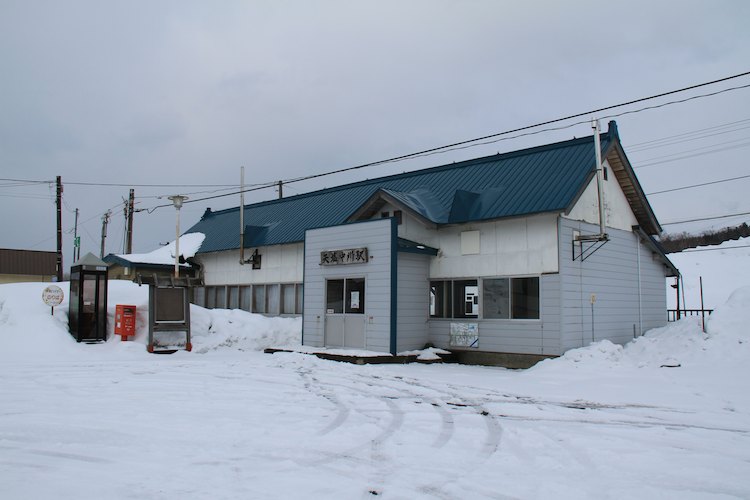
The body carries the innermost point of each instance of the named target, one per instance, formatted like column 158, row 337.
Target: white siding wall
column 413, row 301
column 279, row 264
column 624, row 303
column 509, row 247
column 376, row 236
column 617, row 211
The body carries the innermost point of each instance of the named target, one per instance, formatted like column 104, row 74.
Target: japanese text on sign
column 349, row 256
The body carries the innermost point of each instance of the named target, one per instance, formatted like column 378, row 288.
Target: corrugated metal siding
column 611, row 273
column 28, row 262
column 536, row 180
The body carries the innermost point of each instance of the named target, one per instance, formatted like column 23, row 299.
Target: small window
column 385, row 215
column 604, row 172
column 398, row 215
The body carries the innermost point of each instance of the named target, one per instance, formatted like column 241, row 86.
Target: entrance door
column 345, row 313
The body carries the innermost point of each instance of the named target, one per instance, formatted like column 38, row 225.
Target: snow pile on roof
column 189, row 244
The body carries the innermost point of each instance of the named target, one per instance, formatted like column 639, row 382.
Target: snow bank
column 28, row 330
column 680, row 344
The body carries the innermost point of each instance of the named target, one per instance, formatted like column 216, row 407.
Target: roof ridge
column 448, row 166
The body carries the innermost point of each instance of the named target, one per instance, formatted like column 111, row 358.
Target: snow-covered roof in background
column 189, row 244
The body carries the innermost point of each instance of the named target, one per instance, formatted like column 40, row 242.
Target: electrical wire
column 498, row 136
column 698, row 185
column 691, row 135
column 685, row 157
column 704, row 219
column 713, row 249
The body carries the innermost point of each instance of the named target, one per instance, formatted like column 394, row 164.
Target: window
column 604, row 173
column 259, row 299
column 221, row 295
column 298, row 297
column 385, row 215
column 440, row 299
column 345, row 296
column 234, row 297
column 525, row 298
column 501, row 298
column 496, row 298
column 272, row 299
column 398, row 216
column 287, row 299
column 210, row 297
column 334, row 296
column 199, row 296
column 246, row 298
column 355, row 296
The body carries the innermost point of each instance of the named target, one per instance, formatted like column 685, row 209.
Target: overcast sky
column 183, row 93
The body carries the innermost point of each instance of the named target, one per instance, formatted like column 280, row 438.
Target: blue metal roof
column 542, row 179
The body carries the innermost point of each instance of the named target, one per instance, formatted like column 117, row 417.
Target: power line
column 701, row 148
column 713, row 249
column 719, row 150
column 686, row 139
column 698, row 185
column 498, row 136
column 450, row 147
column 645, row 144
column 704, row 218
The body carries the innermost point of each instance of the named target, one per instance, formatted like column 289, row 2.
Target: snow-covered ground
column 667, row 416
column 723, row 268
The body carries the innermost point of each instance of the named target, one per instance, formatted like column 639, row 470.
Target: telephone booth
column 87, row 313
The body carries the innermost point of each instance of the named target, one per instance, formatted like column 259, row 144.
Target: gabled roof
column 542, row 179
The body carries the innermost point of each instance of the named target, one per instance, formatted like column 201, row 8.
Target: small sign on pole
column 53, row 296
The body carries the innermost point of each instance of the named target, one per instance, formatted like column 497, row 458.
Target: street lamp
column 177, row 199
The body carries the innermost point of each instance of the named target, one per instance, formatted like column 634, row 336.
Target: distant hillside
column 680, row 241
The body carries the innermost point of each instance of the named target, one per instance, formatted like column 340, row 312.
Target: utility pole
column 76, row 240
column 59, row 230
column 105, row 221
column 129, row 238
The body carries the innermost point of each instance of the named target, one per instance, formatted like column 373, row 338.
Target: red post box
column 125, row 321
